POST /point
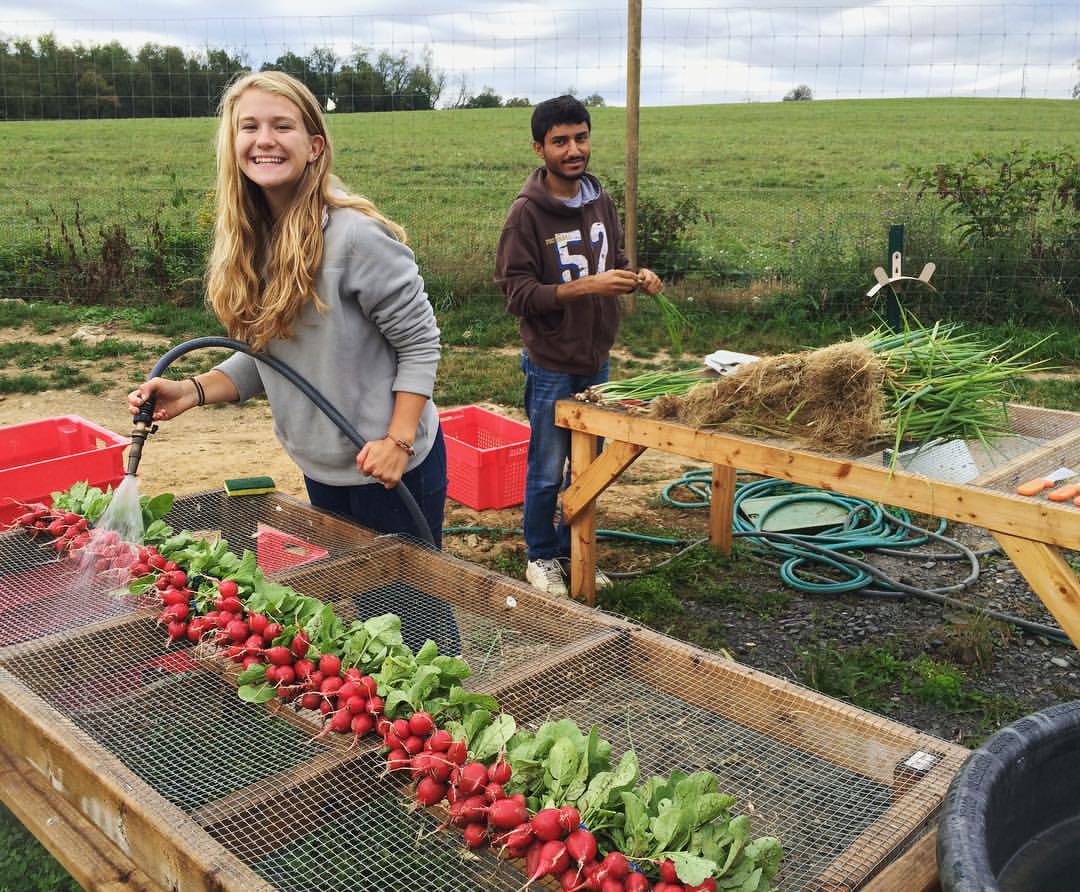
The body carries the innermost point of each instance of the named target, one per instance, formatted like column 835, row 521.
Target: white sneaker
column 602, row 579
column 547, row 575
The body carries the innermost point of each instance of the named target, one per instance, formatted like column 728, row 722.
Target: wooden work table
column 1032, row 531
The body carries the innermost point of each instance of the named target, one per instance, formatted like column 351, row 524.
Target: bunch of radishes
column 103, row 550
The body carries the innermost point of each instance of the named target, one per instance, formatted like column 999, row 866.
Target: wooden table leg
column 583, row 524
column 722, row 507
column 1050, row 577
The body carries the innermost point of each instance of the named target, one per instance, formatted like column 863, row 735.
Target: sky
column 692, row 51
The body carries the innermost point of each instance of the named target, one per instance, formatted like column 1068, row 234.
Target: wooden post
column 633, row 109
column 722, row 507
column 583, row 528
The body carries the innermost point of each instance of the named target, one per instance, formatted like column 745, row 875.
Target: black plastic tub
column 1011, row 820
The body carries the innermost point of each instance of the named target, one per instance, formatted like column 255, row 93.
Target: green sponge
column 249, row 486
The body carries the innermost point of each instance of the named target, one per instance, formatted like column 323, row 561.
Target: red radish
column 238, row 630
column 532, row 861
column 279, row 656
column 326, row 706
column 356, row 704
column 569, row 818
column 375, row 705
column 581, row 845
column 665, row 886
column 553, row 858
column 568, row 880
column 177, row 612
column 707, row 885
column 588, row 877
column 227, row 588
column 473, row 809
column 637, row 882
column 397, row 760
column 303, row 669
column 354, row 675
column 383, row 726
column 248, row 660
column 175, row 596
column 475, row 835
column 157, row 561
column 315, row 680
column 361, row 724
column 329, row 664
column 271, row 674
column 310, row 700
column 612, row 885
column 370, row 685
column 667, row 872
column 439, row 768
column 232, row 605
column 170, row 566
column 177, row 629
column 421, row 724
column 506, row 814
column 285, row 675
column 401, row 728
column 546, row 825
column 413, row 744
column 429, row 791
column 258, row 623
column 331, row 685
column 439, row 742
column 499, row 772
column 614, row 865
column 254, row 645
column 473, row 778
column 178, row 578
column 273, row 630
column 341, row 721
column 457, row 752
column 347, row 690
column 300, row 644
column 493, row 792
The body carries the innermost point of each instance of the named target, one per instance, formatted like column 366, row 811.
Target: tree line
column 43, row 79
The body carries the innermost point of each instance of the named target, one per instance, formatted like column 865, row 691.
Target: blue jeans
column 548, row 470
column 373, row 506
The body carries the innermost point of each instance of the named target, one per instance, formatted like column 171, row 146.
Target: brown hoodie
column 545, row 243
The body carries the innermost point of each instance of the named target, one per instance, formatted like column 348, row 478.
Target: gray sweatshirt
column 378, row 335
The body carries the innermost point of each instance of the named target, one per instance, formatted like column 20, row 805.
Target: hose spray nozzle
column 144, row 426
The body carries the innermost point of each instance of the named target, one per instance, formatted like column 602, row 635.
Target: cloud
column 693, row 51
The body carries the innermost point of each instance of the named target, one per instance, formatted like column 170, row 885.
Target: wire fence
column 905, row 113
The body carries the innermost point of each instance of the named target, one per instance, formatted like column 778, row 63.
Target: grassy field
column 764, row 175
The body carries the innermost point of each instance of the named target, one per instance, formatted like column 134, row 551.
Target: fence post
column 633, row 109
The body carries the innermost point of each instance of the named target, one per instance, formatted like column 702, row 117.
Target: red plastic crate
column 38, row 458
column 485, row 457
column 277, row 550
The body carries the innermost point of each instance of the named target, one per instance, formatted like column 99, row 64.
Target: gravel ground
column 1007, row 672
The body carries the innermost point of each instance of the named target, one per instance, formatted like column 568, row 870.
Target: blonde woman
column 306, row 272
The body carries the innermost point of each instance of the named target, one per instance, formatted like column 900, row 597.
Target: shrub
column 662, row 232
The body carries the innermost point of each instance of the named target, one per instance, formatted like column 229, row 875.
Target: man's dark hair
column 560, row 110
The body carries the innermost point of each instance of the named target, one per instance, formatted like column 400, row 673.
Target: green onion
column 943, row 383
column 675, row 321
column 645, row 386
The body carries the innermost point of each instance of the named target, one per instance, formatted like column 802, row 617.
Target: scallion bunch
column 941, row 382
column 645, row 386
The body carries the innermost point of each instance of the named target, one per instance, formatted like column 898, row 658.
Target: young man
column 562, row 267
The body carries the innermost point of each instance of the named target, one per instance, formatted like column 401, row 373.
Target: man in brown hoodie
column 562, row 267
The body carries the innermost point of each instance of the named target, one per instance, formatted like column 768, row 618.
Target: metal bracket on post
column 892, row 305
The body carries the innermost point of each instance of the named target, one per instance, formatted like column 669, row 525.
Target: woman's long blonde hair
column 261, row 271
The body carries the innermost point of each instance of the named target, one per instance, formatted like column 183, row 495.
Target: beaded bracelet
column 200, row 394
column 402, row 444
